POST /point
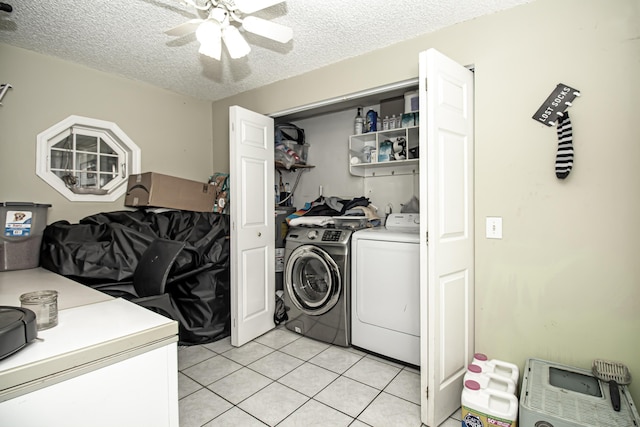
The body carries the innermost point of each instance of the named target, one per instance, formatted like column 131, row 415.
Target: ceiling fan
column 219, row 20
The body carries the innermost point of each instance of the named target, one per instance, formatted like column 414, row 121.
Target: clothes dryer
column 317, row 283
column 385, row 293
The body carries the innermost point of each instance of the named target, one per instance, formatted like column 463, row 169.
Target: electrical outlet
column 494, row 227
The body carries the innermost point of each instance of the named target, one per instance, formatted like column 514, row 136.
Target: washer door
column 313, row 280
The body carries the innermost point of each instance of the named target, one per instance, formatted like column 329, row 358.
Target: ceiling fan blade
column 185, row 28
column 250, row 6
column 209, row 36
column 267, row 29
column 236, row 44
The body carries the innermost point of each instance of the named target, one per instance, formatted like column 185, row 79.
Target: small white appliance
column 555, row 395
column 385, row 289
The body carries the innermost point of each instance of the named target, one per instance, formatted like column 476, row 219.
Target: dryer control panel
column 403, row 222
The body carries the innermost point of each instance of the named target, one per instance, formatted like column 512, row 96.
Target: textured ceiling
column 126, row 37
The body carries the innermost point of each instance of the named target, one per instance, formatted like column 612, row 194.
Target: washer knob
column 312, row 234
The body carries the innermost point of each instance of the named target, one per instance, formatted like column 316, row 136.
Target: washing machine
column 385, row 289
column 317, row 283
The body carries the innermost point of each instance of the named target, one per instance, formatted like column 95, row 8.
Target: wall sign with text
column 556, row 104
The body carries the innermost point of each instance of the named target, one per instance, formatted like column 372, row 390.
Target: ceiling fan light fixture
column 236, row 44
column 208, row 34
column 219, row 14
column 207, row 30
column 211, row 48
column 267, row 29
column 218, row 20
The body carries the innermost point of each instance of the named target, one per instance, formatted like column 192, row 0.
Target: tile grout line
column 362, row 355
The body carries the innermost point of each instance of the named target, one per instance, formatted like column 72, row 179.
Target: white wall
column 328, row 139
column 327, row 136
column 564, row 282
column 172, row 131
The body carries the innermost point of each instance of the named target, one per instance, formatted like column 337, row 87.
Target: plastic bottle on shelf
column 489, row 379
column 372, row 121
column 359, row 122
column 481, row 405
column 385, row 123
column 287, row 191
column 283, row 194
column 499, row 367
column 392, row 122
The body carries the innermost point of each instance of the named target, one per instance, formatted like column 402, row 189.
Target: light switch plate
column 494, row 227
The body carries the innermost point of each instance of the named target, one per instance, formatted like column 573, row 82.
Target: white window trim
column 109, row 131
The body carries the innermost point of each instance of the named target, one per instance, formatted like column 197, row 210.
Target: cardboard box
column 164, row 191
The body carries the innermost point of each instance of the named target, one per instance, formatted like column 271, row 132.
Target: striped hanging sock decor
column 564, row 157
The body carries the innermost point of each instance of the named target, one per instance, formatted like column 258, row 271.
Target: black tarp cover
column 102, row 251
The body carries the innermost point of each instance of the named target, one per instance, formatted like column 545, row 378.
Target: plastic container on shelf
column 302, row 150
column 392, row 122
column 359, row 122
column 499, row 367
column 411, row 101
column 24, row 224
column 484, row 407
column 490, row 380
column 371, row 123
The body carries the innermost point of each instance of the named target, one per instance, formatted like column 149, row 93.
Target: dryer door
column 312, row 279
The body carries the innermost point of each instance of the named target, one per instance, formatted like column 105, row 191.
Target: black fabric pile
column 102, row 251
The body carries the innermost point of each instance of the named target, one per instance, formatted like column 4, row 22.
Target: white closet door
column 252, row 224
column 446, row 185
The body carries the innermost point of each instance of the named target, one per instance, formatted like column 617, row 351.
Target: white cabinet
column 139, row 390
column 384, row 153
column 108, row 362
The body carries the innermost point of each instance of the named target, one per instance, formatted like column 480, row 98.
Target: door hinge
column 426, row 84
column 426, row 393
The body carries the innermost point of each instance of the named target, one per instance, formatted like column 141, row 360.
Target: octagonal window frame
column 86, row 159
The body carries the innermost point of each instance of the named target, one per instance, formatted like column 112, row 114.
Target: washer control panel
column 318, row 235
column 331, row 235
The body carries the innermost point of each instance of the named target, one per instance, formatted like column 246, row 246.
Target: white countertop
column 92, row 328
column 70, row 293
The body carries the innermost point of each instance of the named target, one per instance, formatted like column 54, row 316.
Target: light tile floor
column 284, row 379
